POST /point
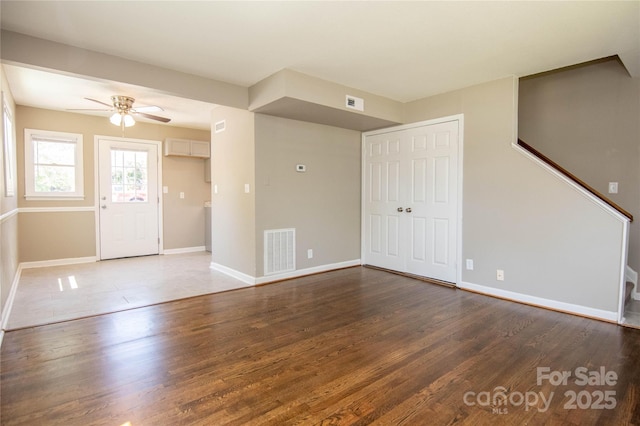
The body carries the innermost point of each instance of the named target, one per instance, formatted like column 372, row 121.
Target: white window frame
column 30, row 192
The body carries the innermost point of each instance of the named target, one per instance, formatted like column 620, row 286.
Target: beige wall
column 322, row 204
column 8, row 206
column 587, row 119
column 551, row 241
column 233, row 212
column 183, row 218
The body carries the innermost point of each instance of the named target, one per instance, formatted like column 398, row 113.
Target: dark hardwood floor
column 355, row 346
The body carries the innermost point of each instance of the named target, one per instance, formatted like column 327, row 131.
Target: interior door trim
column 96, row 186
column 460, row 119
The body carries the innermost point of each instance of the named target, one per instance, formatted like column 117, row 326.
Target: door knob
column 408, row 209
column 104, row 206
column 104, row 198
column 400, row 209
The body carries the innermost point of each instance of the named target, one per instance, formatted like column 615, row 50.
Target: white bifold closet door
column 411, row 199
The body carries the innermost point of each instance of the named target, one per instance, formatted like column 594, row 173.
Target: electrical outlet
column 247, row 188
column 613, row 187
column 310, row 254
column 470, row 264
column 500, row 275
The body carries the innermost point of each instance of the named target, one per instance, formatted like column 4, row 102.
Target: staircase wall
column 587, row 119
column 558, row 248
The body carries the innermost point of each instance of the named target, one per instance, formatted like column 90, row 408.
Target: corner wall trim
column 247, row 279
column 184, row 250
column 555, row 305
column 6, row 309
column 57, row 262
column 8, row 214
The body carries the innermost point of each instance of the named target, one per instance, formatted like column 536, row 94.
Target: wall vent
column 220, row 126
column 355, row 103
column 279, row 251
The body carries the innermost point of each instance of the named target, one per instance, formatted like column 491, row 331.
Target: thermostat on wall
column 301, row 168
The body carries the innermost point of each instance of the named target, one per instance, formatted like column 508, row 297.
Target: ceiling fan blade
column 150, row 108
column 100, row 102
column 88, row 109
column 152, row 117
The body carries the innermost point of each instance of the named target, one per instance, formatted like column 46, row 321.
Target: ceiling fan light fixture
column 128, row 120
column 116, row 119
column 119, row 118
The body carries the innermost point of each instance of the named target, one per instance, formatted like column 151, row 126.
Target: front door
column 128, row 197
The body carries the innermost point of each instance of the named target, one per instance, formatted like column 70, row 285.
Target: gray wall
column 551, row 241
column 233, row 212
column 323, row 204
column 587, row 119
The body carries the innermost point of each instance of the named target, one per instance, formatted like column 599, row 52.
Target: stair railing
column 574, row 178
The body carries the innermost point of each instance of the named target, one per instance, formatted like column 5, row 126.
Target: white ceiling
column 400, row 50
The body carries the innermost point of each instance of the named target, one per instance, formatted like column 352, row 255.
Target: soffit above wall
column 297, row 109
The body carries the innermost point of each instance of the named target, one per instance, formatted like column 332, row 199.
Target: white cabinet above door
column 187, row 148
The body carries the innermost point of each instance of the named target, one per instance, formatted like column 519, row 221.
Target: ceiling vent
column 220, row 126
column 355, row 103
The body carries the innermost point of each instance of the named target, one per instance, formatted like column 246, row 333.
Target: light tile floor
column 60, row 293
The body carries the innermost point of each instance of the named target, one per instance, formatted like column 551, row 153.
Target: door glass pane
column 128, row 176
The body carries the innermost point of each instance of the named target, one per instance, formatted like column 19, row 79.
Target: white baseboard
column 6, row 309
column 247, row 279
column 58, row 262
column 184, row 250
column 308, row 271
column 541, row 302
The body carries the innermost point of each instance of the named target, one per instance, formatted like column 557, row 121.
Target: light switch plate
column 613, row 187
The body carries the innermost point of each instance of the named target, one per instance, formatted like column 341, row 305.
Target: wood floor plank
column 350, row 347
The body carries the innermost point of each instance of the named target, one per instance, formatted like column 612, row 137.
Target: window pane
column 53, row 164
column 59, row 153
column 128, row 176
column 55, row 178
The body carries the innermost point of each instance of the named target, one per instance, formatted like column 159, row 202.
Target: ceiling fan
column 124, row 111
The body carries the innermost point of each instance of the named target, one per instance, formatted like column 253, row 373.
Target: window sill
column 54, row 198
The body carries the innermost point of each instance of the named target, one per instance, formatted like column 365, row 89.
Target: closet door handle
column 400, row 209
column 408, row 209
